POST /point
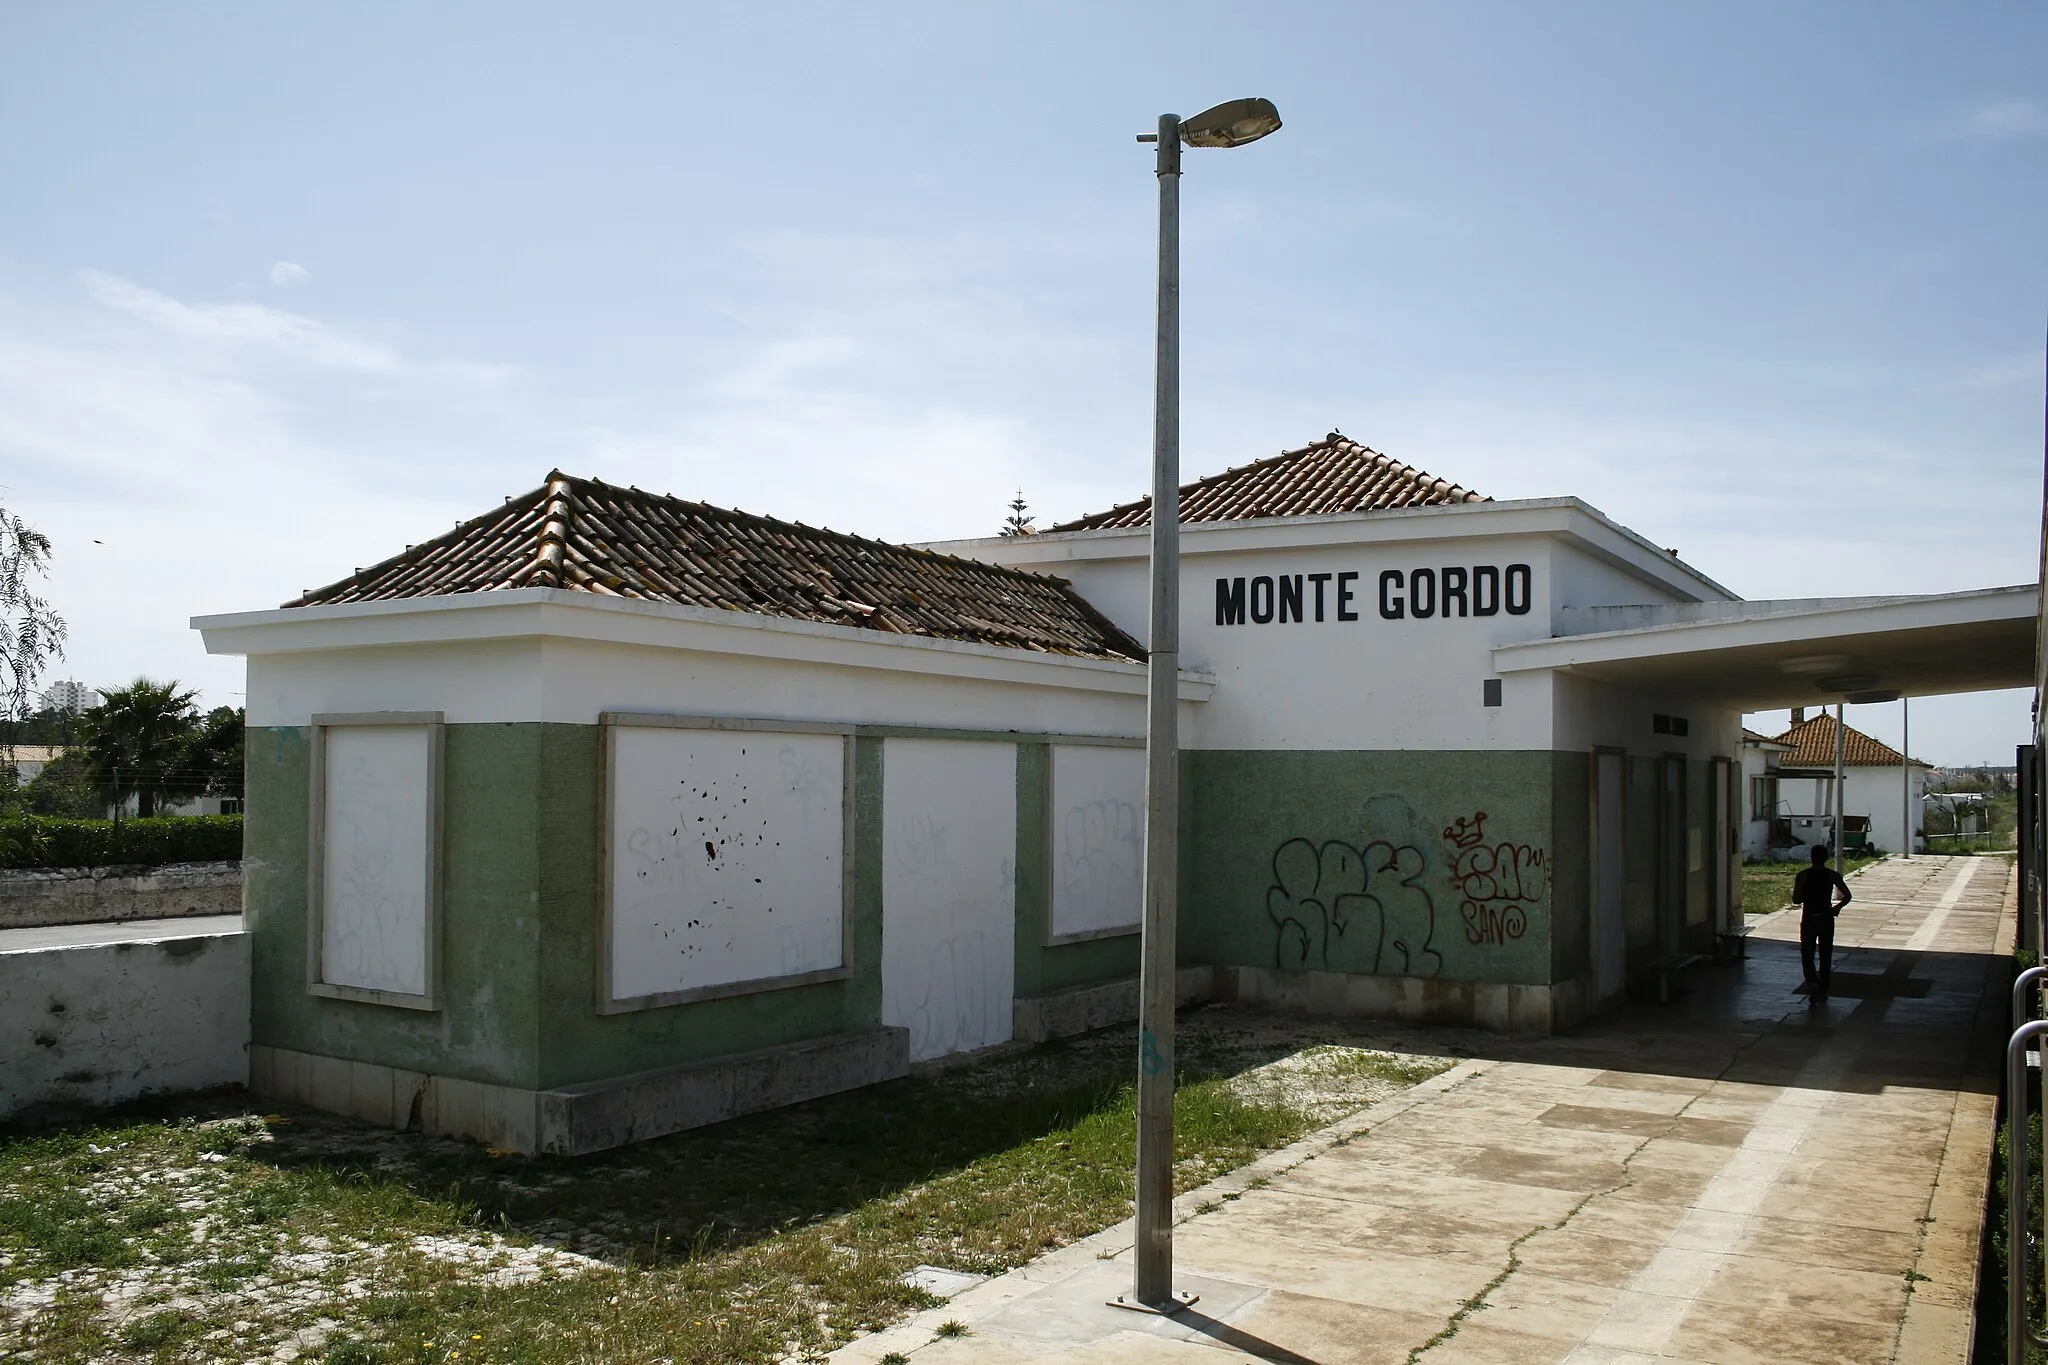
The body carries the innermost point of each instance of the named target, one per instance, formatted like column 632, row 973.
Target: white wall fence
column 84, row 1025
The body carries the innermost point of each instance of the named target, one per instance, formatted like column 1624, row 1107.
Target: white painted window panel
column 374, row 861
column 949, row 892
column 1098, row 834
column 727, row 857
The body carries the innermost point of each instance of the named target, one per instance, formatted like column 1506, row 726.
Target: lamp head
column 1230, row 124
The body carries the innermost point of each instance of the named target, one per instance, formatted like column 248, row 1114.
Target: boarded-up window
column 1098, row 840
column 374, row 875
column 726, row 859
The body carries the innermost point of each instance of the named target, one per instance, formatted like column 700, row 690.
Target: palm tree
column 137, row 737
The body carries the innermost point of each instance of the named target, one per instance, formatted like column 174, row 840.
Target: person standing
column 1820, row 894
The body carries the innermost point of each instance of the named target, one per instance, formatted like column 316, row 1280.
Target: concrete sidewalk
column 1741, row 1176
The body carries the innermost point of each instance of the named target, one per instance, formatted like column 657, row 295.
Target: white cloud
column 2001, row 120
column 289, row 272
column 252, row 326
column 181, row 469
column 242, row 324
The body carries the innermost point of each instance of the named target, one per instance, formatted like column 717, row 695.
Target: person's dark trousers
column 1816, row 932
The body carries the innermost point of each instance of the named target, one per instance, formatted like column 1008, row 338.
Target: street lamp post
column 1227, row 125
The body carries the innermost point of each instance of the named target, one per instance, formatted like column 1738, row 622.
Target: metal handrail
column 2018, row 1331
column 2020, row 1013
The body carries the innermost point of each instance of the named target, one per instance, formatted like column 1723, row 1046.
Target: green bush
column 40, row 841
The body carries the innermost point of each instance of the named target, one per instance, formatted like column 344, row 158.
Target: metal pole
column 2024, row 987
column 1906, row 776
column 2018, row 1331
column 1838, row 789
column 1153, row 1259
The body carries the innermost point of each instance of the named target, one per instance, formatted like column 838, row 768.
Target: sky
column 284, row 289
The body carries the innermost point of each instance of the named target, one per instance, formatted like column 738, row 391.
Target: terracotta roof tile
column 1813, row 746
column 588, row 536
column 1336, row 474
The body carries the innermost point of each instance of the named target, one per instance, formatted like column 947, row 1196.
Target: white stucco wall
column 1364, row 683
column 1376, row 682
column 1867, row 790
column 1756, row 833
column 1875, row 792
column 1592, row 714
column 480, row 661
column 101, row 1023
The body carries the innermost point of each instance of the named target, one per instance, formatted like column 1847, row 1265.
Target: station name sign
column 1441, row 593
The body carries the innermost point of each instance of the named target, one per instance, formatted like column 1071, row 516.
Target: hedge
column 45, row 841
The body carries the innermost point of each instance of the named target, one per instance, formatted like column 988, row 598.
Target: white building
column 71, row 697
column 1760, row 756
column 30, row 759
column 605, row 813
column 1878, row 786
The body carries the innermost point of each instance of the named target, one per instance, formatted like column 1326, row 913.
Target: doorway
column 1671, row 853
column 949, row 892
column 1721, row 848
column 1610, row 870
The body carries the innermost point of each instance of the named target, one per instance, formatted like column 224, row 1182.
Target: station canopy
column 1760, row 656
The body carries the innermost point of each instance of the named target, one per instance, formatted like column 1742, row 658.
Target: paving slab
column 1744, row 1174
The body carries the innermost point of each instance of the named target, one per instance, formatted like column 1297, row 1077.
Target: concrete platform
column 1744, row 1175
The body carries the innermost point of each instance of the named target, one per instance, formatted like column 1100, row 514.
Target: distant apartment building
column 71, row 697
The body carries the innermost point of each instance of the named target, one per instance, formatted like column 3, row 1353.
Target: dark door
column 1671, row 853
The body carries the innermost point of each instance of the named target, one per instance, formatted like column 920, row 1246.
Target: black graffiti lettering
column 1393, row 608
column 1319, row 579
column 1230, row 601
column 1336, row 907
column 1485, row 590
column 1518, row 606
column 1420, row 604
column 1344, row 582
column 1454, row 589
column 1290, row 597
column 1262, row 610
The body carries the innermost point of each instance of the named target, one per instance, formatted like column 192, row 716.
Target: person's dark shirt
column 1814, row 890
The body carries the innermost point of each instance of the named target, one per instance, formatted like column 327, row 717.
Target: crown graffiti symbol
column 1467, row 833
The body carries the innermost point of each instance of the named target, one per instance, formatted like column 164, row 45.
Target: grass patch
column 155, row 1332
column 1768, row 886
column 778, row 1235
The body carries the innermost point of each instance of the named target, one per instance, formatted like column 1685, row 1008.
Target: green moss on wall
column 521, row 923
column 486, row 1029
column 1372, row 862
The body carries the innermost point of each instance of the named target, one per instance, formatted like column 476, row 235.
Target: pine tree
column 1018, row 524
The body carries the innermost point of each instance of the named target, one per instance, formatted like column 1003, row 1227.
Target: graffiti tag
column 1495, row 882
column 1340, row 908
